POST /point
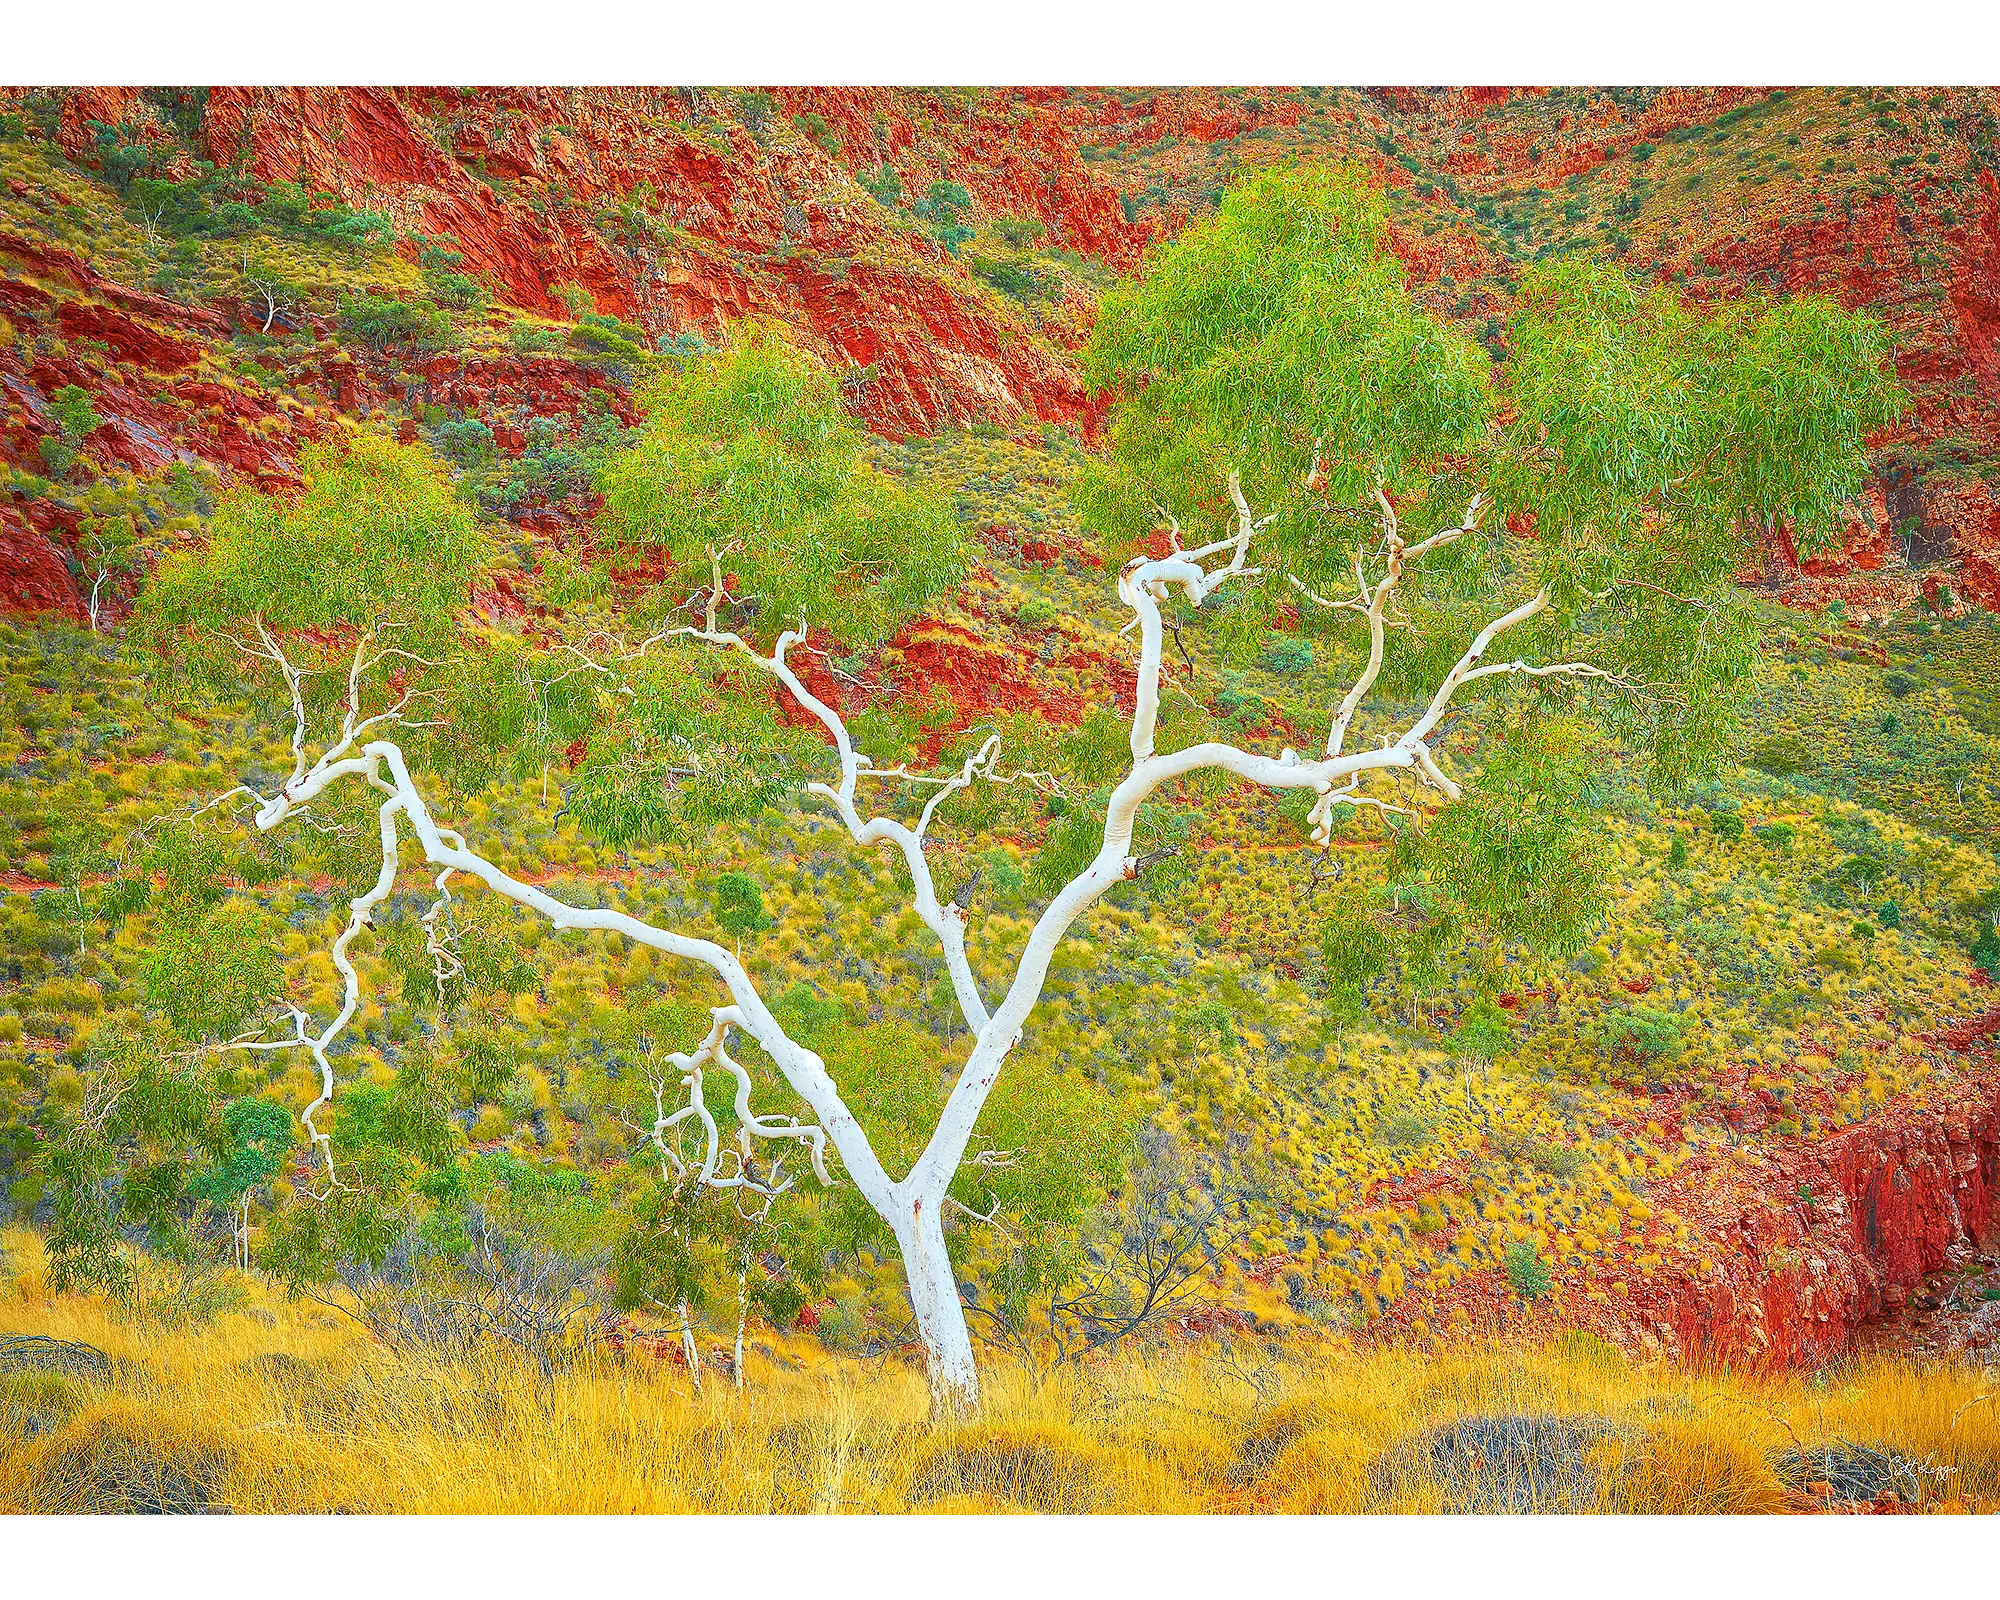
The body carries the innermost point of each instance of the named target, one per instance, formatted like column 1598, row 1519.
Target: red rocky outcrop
column 33, row 574
column 666, row 213
column 1800, row 1244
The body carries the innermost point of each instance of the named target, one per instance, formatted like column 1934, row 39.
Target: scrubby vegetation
column 271, row 1408
column 1287, row 1107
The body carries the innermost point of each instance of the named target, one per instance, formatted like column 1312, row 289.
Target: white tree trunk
column 934, row 1297
column 690, row 1351
column 912, row 1207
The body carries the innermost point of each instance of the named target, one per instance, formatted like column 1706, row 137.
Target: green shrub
column 1557, row 1160
column 1002, row 871
column 382, row 321
column 74, row 413
column 816, row 128
column 1644, row 1035
column 456, row 290
column 940, row 206
column 1287, row 656
column 1985, row 949
column 528, row 338
column 1012, row 278
column 465, row 442
column 119, row 155
column 1406, row 1130
column 1020, row 232
column 739, row 905
column 883, row 183
column 1781, row 756
column 1527, row 1272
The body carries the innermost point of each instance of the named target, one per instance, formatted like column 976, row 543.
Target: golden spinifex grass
column 281, row 1407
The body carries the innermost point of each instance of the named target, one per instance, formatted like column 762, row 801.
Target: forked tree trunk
column 934, row 1297
column 911, row 1207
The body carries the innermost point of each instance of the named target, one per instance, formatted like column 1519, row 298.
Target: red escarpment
column 1806, row 1241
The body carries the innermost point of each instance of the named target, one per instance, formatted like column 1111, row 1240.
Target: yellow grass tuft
column 283, row 1407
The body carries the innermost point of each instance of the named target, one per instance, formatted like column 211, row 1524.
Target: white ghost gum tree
column 1282, row 396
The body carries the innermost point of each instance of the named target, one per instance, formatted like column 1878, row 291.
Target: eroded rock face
column 33, row 574
column 1803, row 1244
column 131, row 351
column 726, row 225
column 686, row 209
column 1764, row 1250
column 1962, row 518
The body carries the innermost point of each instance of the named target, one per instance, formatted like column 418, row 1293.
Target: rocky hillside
column 942, row 249
column 1761, row 1110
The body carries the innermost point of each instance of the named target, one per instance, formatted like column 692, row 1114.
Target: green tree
column 111, row 547
column 270, row 285
column 1631, row 443
column 739, row 904
column 118, row 1153
column 259, row 1137
column 1483, row 1030
column 207, row 973
column 377, row 535
column 76, row 419
column 1284, row 406
column 748, row 455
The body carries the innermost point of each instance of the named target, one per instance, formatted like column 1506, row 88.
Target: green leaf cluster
column 376, row 534
column 747, row 450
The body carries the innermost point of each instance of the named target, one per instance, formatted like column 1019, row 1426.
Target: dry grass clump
column 132, row 1461
column 281, row 1407
column 1039, row 1467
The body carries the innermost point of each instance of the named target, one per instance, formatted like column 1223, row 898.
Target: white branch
column 913, row 1205
column 714, row 1051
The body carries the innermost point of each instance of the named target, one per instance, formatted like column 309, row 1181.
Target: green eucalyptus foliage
column 1650, row 442
column 1521, row 856
column 1066, row 1134
column 691, row 748
column 486, row 940
column 1279, row 326
column 749, row 446
column 1631, row 444
column 506, row 710
column 739, row 904
column 260, row 1136
column 119, row 1152
column 1355, row 948
column 1655, row 412
column 1484, row 1030
column 388, row 1135
column 1519, row 859
column 377, row 534
column 208, row 971
column 1626, row 452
